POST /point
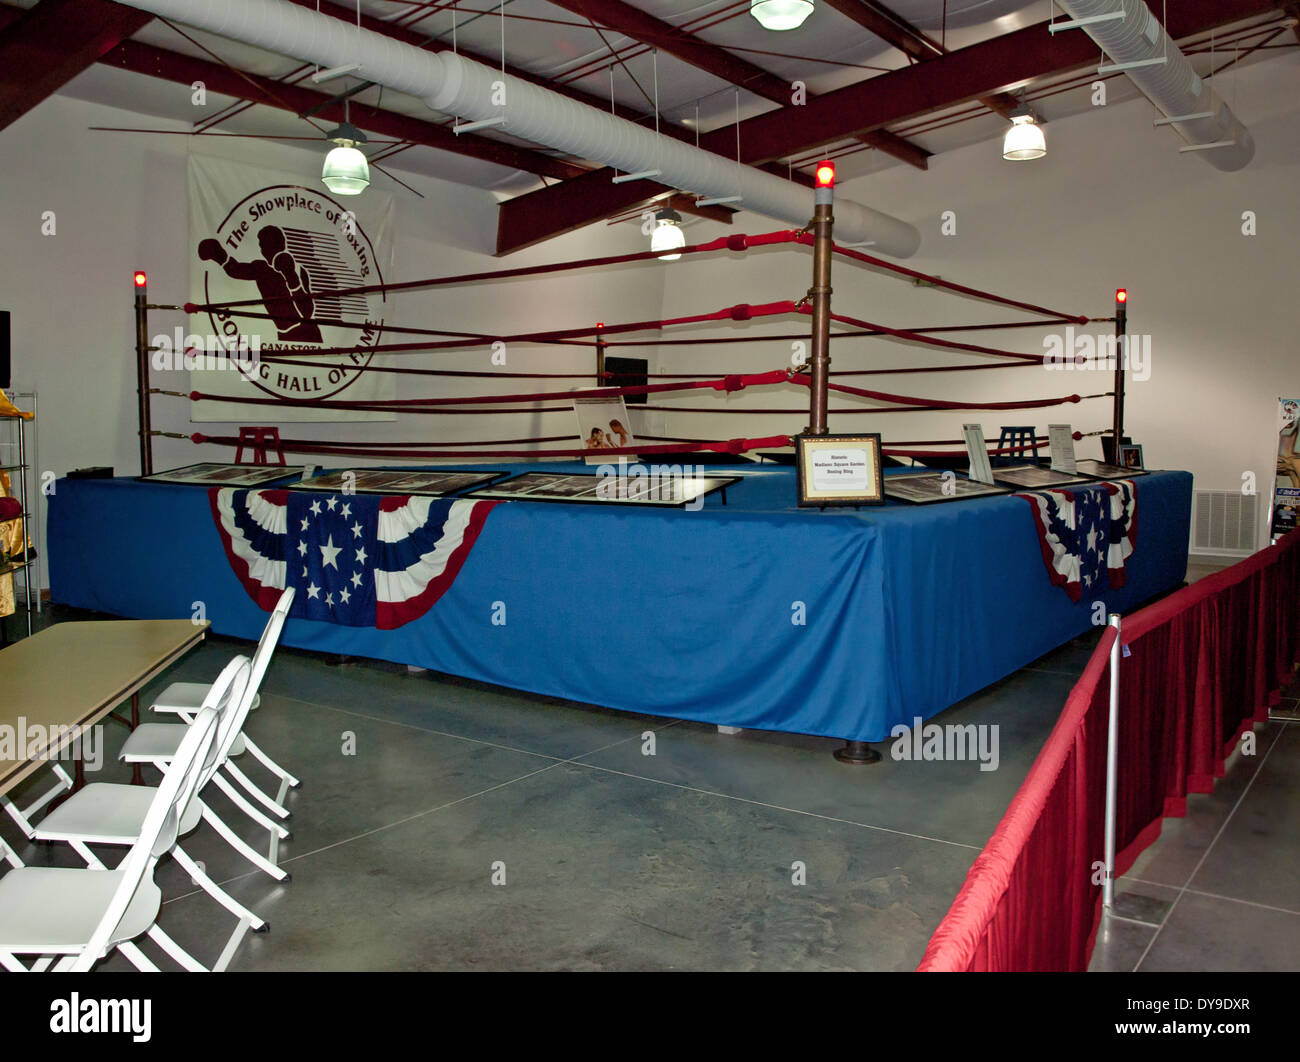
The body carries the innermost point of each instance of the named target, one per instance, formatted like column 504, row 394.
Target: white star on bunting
column 329, row 552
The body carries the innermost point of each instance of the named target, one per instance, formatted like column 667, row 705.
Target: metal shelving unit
column 17, row 458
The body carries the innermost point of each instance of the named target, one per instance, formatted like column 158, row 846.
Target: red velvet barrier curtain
column 1200, row 668
column 1028, row 900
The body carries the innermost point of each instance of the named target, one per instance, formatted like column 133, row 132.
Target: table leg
column 137, row 772
column 857, row 753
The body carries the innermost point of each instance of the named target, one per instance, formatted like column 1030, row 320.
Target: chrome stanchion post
column 1112, row 753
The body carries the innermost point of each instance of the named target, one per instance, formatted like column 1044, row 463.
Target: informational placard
column 649, row 489
column 980, row 470
column 213, row 474
column 1105, row 470
column 395, row 481
column 839, row 470
column 1060, row 440
column 1286, row 483
column 1034, row 477
column 927, row 488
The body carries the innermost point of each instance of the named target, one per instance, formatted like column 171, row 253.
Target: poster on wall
column 292, row 251
column 1286, row 485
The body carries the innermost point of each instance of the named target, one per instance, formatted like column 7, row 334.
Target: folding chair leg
column 251, row 788
column 173, row 949
column 237, row 843
column 11, row 964
column 232, row 945
column 272, row 827
column 137, row 958
column 22, row 816
column 9, row 855
column 91, row 859
column 286, row 778
column 201, row 879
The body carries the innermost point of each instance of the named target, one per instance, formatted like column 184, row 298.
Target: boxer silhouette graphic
column 284, row 286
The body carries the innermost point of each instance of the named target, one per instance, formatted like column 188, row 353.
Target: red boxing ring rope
column 738, row 242
column 730, row 446
column 848, row 252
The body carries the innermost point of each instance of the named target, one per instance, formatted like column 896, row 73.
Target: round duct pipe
column 458, row 86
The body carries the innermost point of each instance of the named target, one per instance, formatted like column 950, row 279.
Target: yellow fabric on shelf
column 8, row 409
column 12, row 540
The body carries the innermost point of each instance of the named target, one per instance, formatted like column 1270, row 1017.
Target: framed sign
column 1060, row 442
column 976, row 450
column 1101, row 470
column 1035, row 477
column 839, row 470
column 926, row 488
column 1130, row 456
column 212, row 474
column 437, row 482
column 603, row 424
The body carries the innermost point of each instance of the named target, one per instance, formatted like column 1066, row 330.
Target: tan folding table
column 68, row 677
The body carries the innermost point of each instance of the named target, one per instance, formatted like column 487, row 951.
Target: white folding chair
column 23, row 815
column 156, row 743
column 110, row 813
column 79, row 916
column 184, row 698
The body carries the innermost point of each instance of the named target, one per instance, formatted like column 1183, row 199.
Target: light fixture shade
column 667, row 235
column 1024, row 140
column 346, row 171
column 780, row 14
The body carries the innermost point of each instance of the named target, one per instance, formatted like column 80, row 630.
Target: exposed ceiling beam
column 46, row 47
column 225, row 81
column 979, row 70
column 901, row 34
column 634, row 23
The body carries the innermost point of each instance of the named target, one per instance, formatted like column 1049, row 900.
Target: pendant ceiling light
column 667, row 235
column 1024, row 140
column 346, row 171
column 780, row 14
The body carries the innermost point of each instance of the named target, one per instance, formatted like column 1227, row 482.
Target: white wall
column 1113, row 204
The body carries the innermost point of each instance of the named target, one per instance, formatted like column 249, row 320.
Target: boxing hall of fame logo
column 297, row 252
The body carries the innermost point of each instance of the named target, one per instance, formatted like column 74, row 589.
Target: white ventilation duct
column 460, row 87
column 1173, row 86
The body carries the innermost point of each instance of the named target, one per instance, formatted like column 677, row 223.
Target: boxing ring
column 841, row 623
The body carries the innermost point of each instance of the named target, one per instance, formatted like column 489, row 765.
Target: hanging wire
column 612, row 110
column 739, row 182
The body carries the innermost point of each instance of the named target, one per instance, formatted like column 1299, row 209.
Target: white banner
column 273, row 237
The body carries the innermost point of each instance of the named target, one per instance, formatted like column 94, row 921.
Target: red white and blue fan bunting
column 354, row 559
column 1086, row 534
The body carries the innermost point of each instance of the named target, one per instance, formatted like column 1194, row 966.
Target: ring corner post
column 820, row 293
column 600, row 353
column 1121, row 343
column 141, row 284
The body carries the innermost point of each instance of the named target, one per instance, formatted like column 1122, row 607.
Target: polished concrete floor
column 447, row 825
